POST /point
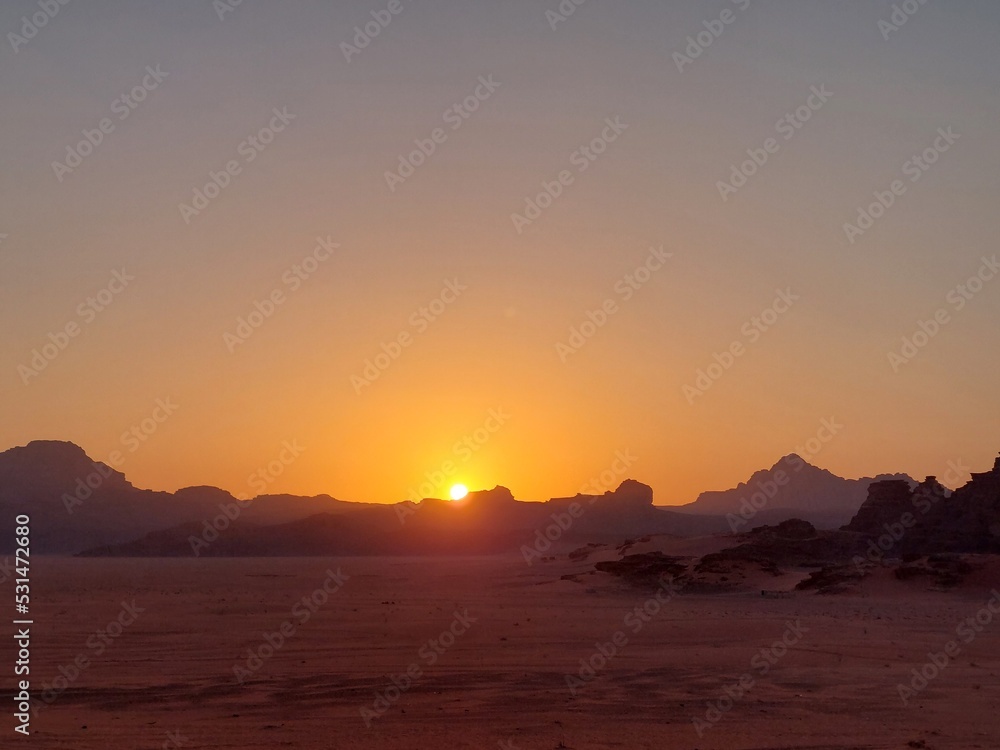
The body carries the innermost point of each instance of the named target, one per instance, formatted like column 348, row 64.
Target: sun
column 459, row 491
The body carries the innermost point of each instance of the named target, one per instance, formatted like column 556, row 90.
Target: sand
column 167, row 680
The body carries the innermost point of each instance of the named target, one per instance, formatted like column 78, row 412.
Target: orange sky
column 483, row 300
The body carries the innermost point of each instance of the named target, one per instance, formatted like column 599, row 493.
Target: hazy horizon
column 260, row 484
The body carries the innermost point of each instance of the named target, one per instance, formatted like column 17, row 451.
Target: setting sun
column 655, row 278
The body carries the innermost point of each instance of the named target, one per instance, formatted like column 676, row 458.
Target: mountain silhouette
column 484, row 522
column 77, row 504
column 791, row 487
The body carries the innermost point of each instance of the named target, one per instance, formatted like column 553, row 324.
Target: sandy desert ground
column 494, row 674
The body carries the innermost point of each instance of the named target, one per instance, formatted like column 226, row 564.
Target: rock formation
column 792, row 488
column 887, row 501
column 927, row 520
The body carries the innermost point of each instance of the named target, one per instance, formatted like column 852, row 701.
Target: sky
column 500, row 243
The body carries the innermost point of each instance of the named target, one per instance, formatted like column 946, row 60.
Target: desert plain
column 475, row 652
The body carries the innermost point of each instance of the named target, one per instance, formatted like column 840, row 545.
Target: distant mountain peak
column 791, row 485
column 797, row 463
column 791, row 458
column 57, row 460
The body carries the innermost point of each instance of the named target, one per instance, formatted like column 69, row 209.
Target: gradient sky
column 494, row 348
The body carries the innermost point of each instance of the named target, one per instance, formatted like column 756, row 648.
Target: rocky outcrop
column 645, row 568
column 793, row 528
column 919, row 533
column 943, row 571
column 835, row 579
column 887, row 501
column 927, row 520
column 793, row 543
column 968, row 521
column 631, row 493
